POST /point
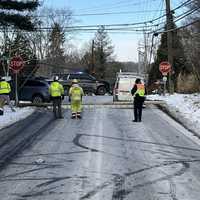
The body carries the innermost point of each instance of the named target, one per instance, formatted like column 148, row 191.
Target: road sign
column 164, row 78
column 165, row 68
column 16, row 64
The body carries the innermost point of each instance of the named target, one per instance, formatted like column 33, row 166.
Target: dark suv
column 33, row 90
column 89, row 83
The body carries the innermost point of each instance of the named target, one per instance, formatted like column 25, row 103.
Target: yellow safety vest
column 56, row 89
column 4, row 87
column 140, row 90
column 76, row 93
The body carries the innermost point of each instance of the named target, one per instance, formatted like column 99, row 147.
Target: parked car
column 34, row 90
column 123, row 85
column 89, row 83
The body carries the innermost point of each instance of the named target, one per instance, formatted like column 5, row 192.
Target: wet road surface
column 106, row 156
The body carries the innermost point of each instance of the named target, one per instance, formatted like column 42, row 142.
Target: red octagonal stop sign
column 16, row 64
column 165, row 67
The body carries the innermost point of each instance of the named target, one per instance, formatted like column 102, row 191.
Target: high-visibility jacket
column 140, row 90
column 76, row 93
column 4, row 87
column 56, row 89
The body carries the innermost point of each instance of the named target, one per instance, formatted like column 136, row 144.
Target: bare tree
column 40, row 40
column 48, row 18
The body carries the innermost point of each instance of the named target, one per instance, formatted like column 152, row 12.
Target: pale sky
column 126, row 44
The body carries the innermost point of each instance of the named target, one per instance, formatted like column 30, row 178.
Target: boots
column 76, row 115
column 73, row 116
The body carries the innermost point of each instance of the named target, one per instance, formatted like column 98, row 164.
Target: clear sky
column 126, row 44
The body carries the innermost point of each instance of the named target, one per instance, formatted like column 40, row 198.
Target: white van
column 123, row 85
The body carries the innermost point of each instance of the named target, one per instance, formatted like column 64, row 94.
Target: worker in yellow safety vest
column 75, row 94
column 56, row 91
column 5, row 90
column 139, row 92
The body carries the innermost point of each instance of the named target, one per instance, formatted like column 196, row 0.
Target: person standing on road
column 138, row 91
column 5, row 90
column 75, row 95
column 56, row 91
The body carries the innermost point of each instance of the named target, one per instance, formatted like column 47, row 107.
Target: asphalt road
column 106, row 156
column 94, row 99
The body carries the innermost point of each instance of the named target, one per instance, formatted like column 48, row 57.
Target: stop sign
column 165, row 67
column 16, row 63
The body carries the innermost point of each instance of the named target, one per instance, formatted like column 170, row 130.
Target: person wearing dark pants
column 138, row 91
column 57, row 107
column 138, row 104
column 56, row 91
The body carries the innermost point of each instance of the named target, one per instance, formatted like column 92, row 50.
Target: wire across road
column 93, row 105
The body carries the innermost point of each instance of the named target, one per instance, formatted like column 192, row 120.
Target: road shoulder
column 190, row 130
column 20, row 135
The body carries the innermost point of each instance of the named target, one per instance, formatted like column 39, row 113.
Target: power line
column 97, row 26
column 178, row 7
column 125, row 12
column 115, row 5
column 180, row 17
column 187, row 14
column 161, row 21
column 103, row 13
column 125, row 24
column 181, row 27
column 118, row 26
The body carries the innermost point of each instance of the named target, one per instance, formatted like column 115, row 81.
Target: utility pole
column 139, row 61
column 169, row 44
column 92, row 61
column 145, row 54
column 140, row 69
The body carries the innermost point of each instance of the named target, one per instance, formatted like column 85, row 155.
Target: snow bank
column 10, row 117
column 185, row 106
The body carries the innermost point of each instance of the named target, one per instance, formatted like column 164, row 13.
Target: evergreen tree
column 12, row 13
column 56, row 48
column 57, row 40
column 21, row 46
column 103, row 51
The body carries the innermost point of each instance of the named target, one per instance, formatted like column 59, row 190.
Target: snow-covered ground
column 185, row 107
column 10, row 117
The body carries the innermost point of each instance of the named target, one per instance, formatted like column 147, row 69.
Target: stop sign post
column 16, row 64
column 165, row 68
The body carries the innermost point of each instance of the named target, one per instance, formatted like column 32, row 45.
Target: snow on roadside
column 184, row 106
column 10, row 117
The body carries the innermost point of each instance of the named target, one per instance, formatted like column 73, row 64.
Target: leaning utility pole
column 170, row 44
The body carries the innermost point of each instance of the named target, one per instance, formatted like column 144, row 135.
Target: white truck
column 123, row 85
